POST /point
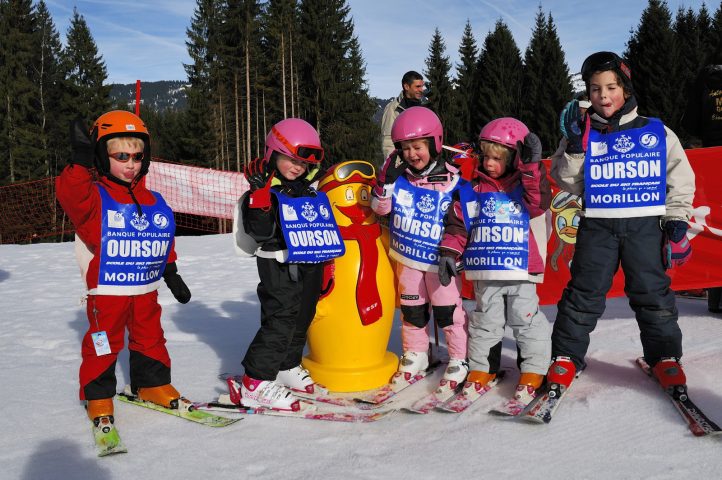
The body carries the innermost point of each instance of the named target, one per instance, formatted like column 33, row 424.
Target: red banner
column 705, row 266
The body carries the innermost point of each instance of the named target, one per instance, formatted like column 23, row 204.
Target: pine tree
column 499, row 76
column 715, row 47
column 464, row 88
column 22, row 158
column 279, row 40
column 240, row 52
column 198, row 140
column 650, row 52
column 441, row 95
column 52, row 116
column 704, row 31
column 85, row 71
column 534, row 89
column 689, row 60
column 333, row 91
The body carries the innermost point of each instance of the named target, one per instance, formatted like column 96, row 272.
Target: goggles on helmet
column 603, row 61
column 308, row 153
column 344, row 171
column 347, row 169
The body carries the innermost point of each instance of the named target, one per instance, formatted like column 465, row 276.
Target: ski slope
column 614, row 424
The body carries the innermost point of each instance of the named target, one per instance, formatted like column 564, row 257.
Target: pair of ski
column 368, row 407
column 107, row 438
column 543, row 407
column 452, row 397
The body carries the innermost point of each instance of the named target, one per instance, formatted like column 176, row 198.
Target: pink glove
column 676, row 249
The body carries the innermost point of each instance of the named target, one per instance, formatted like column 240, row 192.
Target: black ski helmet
column 604, row 61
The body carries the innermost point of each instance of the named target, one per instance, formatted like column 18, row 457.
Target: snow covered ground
column 615, row 423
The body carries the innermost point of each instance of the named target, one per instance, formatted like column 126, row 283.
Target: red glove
column 260, row 181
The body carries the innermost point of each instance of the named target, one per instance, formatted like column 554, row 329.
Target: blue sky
column 146, row 39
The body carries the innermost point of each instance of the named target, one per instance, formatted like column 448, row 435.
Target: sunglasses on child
column 123, row 157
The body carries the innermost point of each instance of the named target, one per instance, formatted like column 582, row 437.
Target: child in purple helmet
column 638, row 188
column 415, row 188
column 281, row 207
column 497, row 226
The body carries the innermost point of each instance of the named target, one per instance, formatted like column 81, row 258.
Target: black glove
column 447, row 269
column 175, row 283
column 570, row 124
column 81, row 145
column 393, row 168
column 530, row 151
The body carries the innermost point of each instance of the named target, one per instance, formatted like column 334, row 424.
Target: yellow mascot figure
column 348, row 337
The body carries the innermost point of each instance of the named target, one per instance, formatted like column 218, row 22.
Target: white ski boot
column 455, row 373
column 411, row 365
column 262, row 393
column 299, row 380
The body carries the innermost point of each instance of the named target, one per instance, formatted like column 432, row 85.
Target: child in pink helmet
column 279, row 212
column 497, row 227
column 415, row 188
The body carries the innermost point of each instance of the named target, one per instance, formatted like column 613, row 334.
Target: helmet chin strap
column 425, row 171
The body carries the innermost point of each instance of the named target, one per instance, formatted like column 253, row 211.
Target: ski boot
column 255, row 393
column 528, row 385
column 560, row 375
column 164, row 395
column 298, row 379
column 411, row 364
column 670, row 375
column 455, row 373
column 100, row 408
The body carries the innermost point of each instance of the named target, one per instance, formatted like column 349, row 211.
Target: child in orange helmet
column 124, row 246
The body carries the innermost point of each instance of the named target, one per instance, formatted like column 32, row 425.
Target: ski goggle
column 354, row 167
column 123, row 157
column 603, row 61
column 345, row 170
column 307, row 153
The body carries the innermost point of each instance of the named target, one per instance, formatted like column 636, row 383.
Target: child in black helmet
column 638, row 187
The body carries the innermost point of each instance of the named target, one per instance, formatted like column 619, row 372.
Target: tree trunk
column 236, row 100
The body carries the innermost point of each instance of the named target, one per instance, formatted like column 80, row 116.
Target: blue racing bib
column 625, row 173
column 309, row 228
column 134, row 248
column 498, row 242
column 417, row 223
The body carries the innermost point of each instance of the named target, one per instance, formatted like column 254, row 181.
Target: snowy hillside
column 614, row 424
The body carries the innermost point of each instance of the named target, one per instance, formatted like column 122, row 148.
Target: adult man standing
column 412, row 95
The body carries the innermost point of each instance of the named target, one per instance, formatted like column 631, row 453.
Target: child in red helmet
column 415, row 188
column 497, row 227
column 294, row 233
column 638, row 188
column 125, row 245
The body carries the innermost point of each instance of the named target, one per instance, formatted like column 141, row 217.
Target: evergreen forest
column 252, row 65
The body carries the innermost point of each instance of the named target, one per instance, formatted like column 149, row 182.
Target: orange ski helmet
column 118, row 123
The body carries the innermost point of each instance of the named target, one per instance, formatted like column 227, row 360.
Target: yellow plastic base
column 353, row 379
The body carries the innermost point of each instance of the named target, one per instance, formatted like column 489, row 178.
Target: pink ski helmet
column 504, row 131
column 418, row 122
column 295, row 138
